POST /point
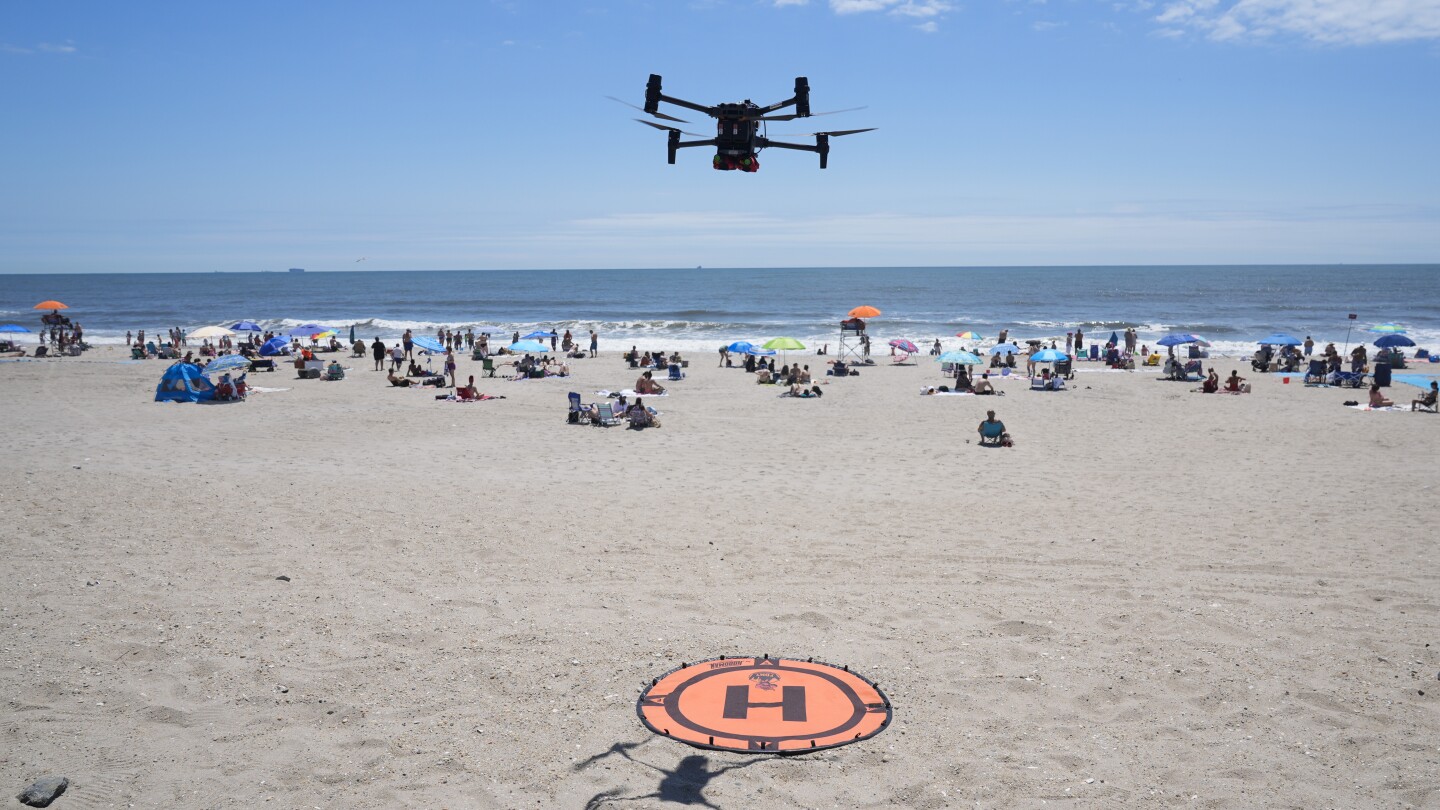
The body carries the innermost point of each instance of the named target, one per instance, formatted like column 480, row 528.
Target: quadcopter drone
column 739, row 136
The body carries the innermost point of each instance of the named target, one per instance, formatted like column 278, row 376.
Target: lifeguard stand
column 852, row 342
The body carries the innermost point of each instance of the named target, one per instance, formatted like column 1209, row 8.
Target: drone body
column 739, row 136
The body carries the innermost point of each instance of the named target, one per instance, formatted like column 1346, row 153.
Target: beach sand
column 1156, row 598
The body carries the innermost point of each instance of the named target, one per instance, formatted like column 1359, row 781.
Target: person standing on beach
column 594, row 343
column 1130, row 338
column 127, row 337
column 1079, row 341
column 397, row 357
column 469, row 338
column 407, row 341
column 1069, row 342
column 1309, row 345
column 554, row 340
column 377, row 350
column 450, row 366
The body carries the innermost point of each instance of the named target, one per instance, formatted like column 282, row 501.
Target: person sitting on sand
column 398, row 382
column 1212, row 383
column 982, row 385
column 1377, row 399
column 763, row 375
column 467, row 391
column 640, row 416
column 1235, row 384
column 992, row 429
column 647, row 385
column 414, row 370
column 334, row 371
column 1428, row 401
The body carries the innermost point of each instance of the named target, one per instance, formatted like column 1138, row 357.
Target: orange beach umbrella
column 50, row 305
column 865, row 312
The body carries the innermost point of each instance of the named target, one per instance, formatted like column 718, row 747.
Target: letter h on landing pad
column 791, row 703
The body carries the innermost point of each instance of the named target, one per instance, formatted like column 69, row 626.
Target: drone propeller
column 667, row 129
column 834, row 134
column 793, row 116
column 642, row 109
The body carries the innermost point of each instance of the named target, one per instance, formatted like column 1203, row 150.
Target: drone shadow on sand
column 684, row 784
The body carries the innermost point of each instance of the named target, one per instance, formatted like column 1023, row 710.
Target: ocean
column 696, row 310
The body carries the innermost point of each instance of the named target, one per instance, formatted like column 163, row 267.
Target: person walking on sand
column 407, row 342
column 450, row 366
column 594, row 343
column 377, row 350
column 397, row 357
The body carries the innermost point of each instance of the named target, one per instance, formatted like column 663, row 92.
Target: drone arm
column 821, row 147
column 800, row 101
column 680, row 102
column 653, row 97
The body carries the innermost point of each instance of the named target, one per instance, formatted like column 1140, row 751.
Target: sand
column 1156, row 598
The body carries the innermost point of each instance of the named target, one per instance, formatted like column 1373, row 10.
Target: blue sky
column 439, row 135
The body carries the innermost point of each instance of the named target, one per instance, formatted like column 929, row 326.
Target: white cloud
column 930, row 10
column 66, row 47
column 928, row 27
column 1332, row 22
column 784, row 3
column 50, row 47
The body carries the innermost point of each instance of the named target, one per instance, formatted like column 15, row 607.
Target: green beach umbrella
column 1387, row 329
column 784, row 344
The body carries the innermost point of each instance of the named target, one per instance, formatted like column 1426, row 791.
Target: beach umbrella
column 1049, row 356
column 523, row 346
column 904, row 345
column 963, row 358
column 1392, row 340
column 13, row 327
column 430, row 344
column 968, row 336
column 1280, row 339
column 352, row 333
column 1180, row 337
column 864, row 312
column 211, row 332
column 1379, row 328
column 759, row 352
column 246, row 326
column 1003, row 348
column 740, row 347
column 539, row 334
column 784, row 344
column 50, row 305
column 229, row 362
column 1114, row 338
column 308, row 329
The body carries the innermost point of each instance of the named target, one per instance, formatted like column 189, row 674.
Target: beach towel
column 628, row 393
column 255, row 389
column 948, row 394
column 1393, row 408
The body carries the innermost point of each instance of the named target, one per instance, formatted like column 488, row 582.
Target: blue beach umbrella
column 1392, row 340
column 960, row 357
column 523, row 346
column 246, row 326
column 13, row 327
column 759, row 352
column 428, row 343
column 539, row 334
column 1049, row 356
column 740, row 347
column 1003, row 348
column 308, row 329
column 229, row 362
column 1179, row 338
column 1280, row 339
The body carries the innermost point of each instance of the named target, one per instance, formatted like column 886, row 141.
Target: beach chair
column 1037, row 384
column 607, row 416
column 579, row 414
column 900, row 359
column 488, row 366
column 137, row 353
column 990, row 433
column 1315, row 375
column 676, row 373
column 1350, row 379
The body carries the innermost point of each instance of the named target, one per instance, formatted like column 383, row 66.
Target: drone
column 739, row 133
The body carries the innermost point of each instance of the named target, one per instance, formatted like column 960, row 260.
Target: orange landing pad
column 764, row 705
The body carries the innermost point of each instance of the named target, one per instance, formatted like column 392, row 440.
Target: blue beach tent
column 183, row 382
column 274, row 347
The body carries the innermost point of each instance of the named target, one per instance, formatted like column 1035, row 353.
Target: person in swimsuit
column 450, row 366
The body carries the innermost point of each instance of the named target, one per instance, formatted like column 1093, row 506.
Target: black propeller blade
column 642, row 109
column 793, row 116
column 835, row 134
column 667, row 129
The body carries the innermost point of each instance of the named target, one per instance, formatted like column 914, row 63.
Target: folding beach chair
column 676, row 373
column 488, row 366
column 607, row 416
column 579, row 414
column 1315, row 375
column 990, row 432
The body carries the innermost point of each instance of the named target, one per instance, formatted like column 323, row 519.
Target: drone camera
column 652, row 93
column 802, row 96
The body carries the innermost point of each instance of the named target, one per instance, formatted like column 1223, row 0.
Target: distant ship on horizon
column 297, row 269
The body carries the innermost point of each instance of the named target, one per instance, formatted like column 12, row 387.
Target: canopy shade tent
column 865, row 311
column 1280, row 339
column 183, row 382
column 1393, row 340
column 523, row 346
column 50, row 305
